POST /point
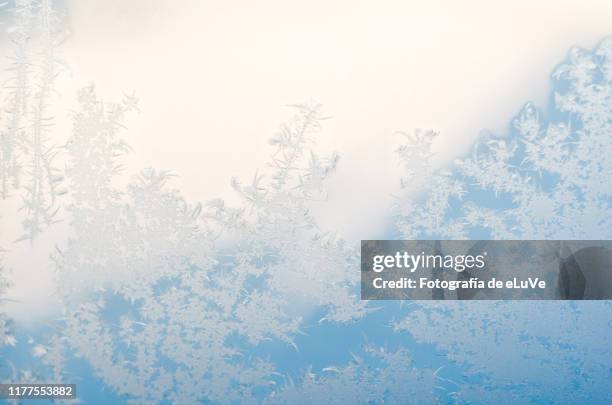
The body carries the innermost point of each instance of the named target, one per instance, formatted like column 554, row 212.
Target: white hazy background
column 214, row 78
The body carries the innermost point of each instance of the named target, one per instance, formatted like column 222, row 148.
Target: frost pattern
column 26, row 150
column 162, row 297
column 9, row 372
column 167, row 300
column 380, row 378
column 275, row 225
column 548, row 179
column 556, row 353
column 6, row 335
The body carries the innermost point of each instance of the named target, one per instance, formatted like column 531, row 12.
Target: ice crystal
column 6, row 336
column 172, row 301
column 26, row 150
column 276, row 227
column 547, row 179
column 550, row 178
column 18, row 88
column 513, row 351
column 155, row 304
column 380, row 377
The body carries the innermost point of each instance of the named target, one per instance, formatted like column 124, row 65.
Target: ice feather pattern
column 168, row 300
column 26, row 150
column 550, row 178
column 184, row 280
